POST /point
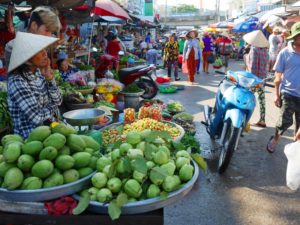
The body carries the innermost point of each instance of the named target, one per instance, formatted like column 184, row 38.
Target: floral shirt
column 171, row 51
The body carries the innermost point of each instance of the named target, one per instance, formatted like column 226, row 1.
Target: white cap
column 25, row 46
column 256, row 39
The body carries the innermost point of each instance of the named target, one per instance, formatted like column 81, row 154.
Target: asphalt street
column 253, row 189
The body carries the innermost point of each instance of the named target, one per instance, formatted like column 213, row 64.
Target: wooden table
column 151, row 218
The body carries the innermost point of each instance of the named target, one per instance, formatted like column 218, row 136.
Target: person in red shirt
column 225, row 49
column 114, row 46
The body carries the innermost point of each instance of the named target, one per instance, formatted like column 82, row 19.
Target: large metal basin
column 45, row 194
column 149, row 204
column 83, row 117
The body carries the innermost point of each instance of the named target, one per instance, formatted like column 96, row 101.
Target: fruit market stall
column 139, row 165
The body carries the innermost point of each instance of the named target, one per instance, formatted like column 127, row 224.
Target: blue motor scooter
column 233, row 109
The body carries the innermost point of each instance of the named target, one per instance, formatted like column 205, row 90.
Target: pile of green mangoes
column 144, row 166
column 49, row 157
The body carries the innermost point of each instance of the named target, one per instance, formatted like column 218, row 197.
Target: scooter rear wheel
column 228, row 146
column 149, row 86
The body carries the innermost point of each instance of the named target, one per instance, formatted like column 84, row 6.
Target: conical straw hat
column 256, row 39
column 25, row 46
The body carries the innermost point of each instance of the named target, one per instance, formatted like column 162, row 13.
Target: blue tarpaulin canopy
column 245, row 27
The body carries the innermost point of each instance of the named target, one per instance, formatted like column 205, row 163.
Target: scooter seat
column 131, row 70
column 225, row 85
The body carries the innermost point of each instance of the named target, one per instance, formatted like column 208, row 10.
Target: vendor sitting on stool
column 64, row 67
column 33, row 98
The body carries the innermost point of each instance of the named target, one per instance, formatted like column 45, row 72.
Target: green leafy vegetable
column 114, row 210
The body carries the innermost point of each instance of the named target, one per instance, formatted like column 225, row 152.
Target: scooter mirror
column 121, row 53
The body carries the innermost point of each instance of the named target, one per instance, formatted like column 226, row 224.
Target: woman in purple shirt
column 207, row 51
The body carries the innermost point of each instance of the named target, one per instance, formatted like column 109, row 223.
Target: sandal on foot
column 260, row 124
column 271, row 146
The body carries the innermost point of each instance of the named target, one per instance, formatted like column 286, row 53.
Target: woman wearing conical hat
column 33, row 98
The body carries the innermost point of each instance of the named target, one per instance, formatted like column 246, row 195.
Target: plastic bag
column 129, row 115
column 218, row 63
column 211, row 58
column 292, row 152
column 185, row 67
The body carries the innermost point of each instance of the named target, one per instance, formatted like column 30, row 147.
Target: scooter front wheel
column 149, row 86
column 228, row 147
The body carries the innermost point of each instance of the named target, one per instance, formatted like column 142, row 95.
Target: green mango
column 13, row 178
column 124, row 147
column 76, row 143
column 138, row 176
column 83, row 172
column 183, row 153
column 49, row 153
column 39, row 134
column 4, row 167
column 63, row 129
column 55, row 140
column 55, row 179
column 91, row 143
column 42, row 169
column 65, row 150
column 70, row 176
column 64, row 162
column 32, row 183
column 32, row 148
column 180, row 161
column 11, row 152
column 169, row 167
column 25, row 162
column 82, row 159
column 9, row 138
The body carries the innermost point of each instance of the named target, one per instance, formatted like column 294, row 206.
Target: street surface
column 253, row 189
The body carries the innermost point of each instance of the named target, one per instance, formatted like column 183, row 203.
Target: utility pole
column 166, row 8
column 217, row 13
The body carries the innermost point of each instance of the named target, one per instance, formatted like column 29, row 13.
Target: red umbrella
column 109, row 8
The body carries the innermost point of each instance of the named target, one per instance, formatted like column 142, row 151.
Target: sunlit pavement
column 253, row 189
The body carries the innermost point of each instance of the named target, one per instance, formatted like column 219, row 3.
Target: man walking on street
column 287, row 86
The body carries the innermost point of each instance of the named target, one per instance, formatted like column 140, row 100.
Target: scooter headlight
column 245, row 82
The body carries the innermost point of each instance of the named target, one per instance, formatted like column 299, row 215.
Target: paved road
column 253, row 190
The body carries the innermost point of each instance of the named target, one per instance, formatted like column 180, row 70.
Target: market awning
column 224, row 25
column 291, row 20
column 109, row 8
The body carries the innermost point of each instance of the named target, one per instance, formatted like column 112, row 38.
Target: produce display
column 147, row 165
column 167, row 89
column 5, row 119
column 132, row 88
column 153, row 112
column 49, row 157
column 175, row 107
column 154, row 125
column 109, row 86
column 186, row 121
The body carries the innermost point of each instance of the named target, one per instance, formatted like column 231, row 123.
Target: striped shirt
column 31, row 100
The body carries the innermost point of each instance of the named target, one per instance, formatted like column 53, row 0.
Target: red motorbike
column 139, row 74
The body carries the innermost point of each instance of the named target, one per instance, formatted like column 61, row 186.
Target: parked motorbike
column 233, row 109
column 142, row 75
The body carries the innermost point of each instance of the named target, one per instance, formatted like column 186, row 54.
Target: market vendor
column 65, row 69
column 43, row 20
column 33, row 98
